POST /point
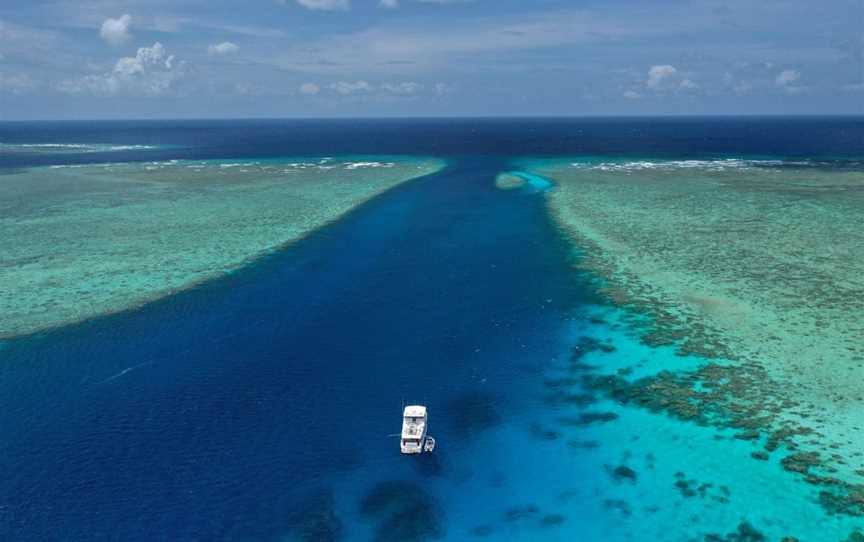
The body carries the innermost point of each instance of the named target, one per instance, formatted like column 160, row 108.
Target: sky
column 124, row 59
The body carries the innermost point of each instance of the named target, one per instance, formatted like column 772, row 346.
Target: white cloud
column 116, row 31
column 224, row 48
column 443, row 89
column 15, row 84
column 687, row 84
column 383, row 91
column 151, row 72
column 310, row 89
column 325, row 5
column 787, row 78
column 347, row 88
column 389, row 3
column 853, row 87
column 661, row 77
column 403, row 89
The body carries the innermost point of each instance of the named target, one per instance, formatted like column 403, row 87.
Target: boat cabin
column 414, row 439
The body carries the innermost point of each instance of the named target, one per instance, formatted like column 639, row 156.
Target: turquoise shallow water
column 259, row 406
column 537, row 183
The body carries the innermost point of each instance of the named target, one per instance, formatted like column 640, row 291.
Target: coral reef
column 83, row 241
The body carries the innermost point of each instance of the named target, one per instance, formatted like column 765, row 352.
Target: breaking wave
column 723, row 164
column 70, row 147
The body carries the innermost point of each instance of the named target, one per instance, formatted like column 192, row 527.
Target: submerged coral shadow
column 402, row 511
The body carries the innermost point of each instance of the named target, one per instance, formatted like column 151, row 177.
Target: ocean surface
column 262, row 405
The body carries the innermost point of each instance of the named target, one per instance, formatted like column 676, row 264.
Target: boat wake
column 123, row 372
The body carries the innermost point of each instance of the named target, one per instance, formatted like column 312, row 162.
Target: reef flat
column 82, row 241
column 754, row 263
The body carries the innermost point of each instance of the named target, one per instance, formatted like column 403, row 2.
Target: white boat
column 414, row 438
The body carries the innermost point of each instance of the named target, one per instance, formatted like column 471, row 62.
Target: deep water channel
column 216, row 413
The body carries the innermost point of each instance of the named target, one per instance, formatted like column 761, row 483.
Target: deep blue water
column 259, row 405
column 673, row 137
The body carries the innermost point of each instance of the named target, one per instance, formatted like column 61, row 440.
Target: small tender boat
column 414, row 438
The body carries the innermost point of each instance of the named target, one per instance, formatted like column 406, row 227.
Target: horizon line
column 454, row 117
